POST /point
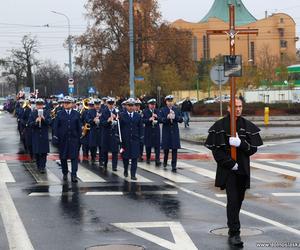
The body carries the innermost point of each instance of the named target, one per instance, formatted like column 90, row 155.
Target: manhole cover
column 116, row 247
column 244, row 231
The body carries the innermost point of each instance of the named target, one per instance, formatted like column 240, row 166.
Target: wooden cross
column 232, row 33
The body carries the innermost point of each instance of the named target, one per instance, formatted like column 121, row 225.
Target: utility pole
column 232, row 33
column 131, row 49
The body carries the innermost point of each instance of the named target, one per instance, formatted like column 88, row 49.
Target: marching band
column 94, row 126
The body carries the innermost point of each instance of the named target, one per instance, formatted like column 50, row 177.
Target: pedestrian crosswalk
column 189, row 172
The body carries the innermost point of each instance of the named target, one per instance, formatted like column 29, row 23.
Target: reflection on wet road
column 162, row 210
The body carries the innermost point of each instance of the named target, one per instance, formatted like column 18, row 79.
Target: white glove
column 236, row 167
column 235, row 141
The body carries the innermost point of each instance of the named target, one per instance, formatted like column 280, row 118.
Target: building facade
column 276, row 33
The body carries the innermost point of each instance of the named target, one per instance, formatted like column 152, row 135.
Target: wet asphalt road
column 160, row 211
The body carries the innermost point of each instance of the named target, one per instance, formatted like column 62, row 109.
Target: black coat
column 95, row 129
column 186, row 106
column 218, row 142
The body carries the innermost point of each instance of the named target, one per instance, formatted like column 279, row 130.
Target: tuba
column 85, row 129
column 85, row 104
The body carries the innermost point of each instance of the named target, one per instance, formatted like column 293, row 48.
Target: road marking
column 17, row 236
column 86, row 175
column 181, row 238
column 275, row 170
column 167, row 174
column 196, row 150
column 252, row 215
column 211, row 174
column 221, row 195
column 46, row 179
column 137, row 193
column 277, row 143
column 47, row 194
column 286, row 164
column 286, row 194
column 5, row 173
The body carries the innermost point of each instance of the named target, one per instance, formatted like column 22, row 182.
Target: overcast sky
column 19, row 17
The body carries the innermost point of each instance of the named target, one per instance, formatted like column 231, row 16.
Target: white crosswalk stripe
column 286, row 194
column 86, row 175
column 42, row 179
column 167, row 174
column 285, row 164
column 275, row 169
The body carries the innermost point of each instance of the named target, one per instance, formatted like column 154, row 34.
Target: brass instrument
column 154, row 121
column 53, row 113
column 26, row 104
column 85, row 104
column 85, row 129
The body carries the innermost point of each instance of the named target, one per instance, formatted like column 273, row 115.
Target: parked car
column 225, row 98
column 193, row 101
column 2, row 103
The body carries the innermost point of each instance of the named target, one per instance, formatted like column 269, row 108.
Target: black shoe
column 101, row 164
column 74, row 179
column 65, row 177
column 93, row 161
column 165, row 165
column 42, row 171
column 158, row 164
column 125, row 173
column 115, row 169
column 235, row 241
column 148, row 161
column 133, row 178
column 174, row 170
column 140, row 159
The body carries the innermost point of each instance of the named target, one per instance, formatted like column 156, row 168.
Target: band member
column 67, row 135
column 151, row 118
column 138, row 109
column 132, row 135
column 170, row 117
column 110, row 136
column 86, row 128
column 233, row 175
column 27, row 131
column 39, row 121
column 93, row 119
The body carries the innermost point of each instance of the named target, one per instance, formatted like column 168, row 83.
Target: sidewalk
column 198, row 131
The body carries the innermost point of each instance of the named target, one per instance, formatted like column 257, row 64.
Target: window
column 205, row 48
column 283, row 44
column 281, row 32
column 281, row 20
column 195, row 48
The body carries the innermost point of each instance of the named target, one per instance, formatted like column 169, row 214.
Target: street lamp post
column 131, row 49
column 69, row 41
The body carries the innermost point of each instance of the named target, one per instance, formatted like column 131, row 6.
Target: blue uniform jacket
column 40, row 138
column 132, row 134
column 94, row 136
column 151, row 131
column 67, row 129
column 170, row 129
column 110, row 134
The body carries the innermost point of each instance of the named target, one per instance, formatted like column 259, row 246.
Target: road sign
column 217, row 75
column 233, row 66
column 71, row 90
column 139, row 78
column 92, row 90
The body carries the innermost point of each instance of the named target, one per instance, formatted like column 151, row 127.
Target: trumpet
column 154, row 121
column 172, row 115
column 26, row 104
column 85, row 129
column 53, row 113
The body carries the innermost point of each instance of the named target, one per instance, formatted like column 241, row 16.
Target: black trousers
column 114, row 159
column 64, row 166
column 157, row 153
column 133, row 166
column 235, row 190
column 41, row 160
column 94, row 153
column 174, row 157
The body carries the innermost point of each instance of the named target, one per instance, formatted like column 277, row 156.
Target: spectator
column 186, row 108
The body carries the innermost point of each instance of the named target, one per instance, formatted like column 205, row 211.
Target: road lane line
column 250, row 214
column 285, row 164
column 16, row 234
column 211, row 174
column 286, row 194
column 5, row 173
column 167, row 174
column 45, row 179
column 275, row 170
column 47, row 194
column 86, row 175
